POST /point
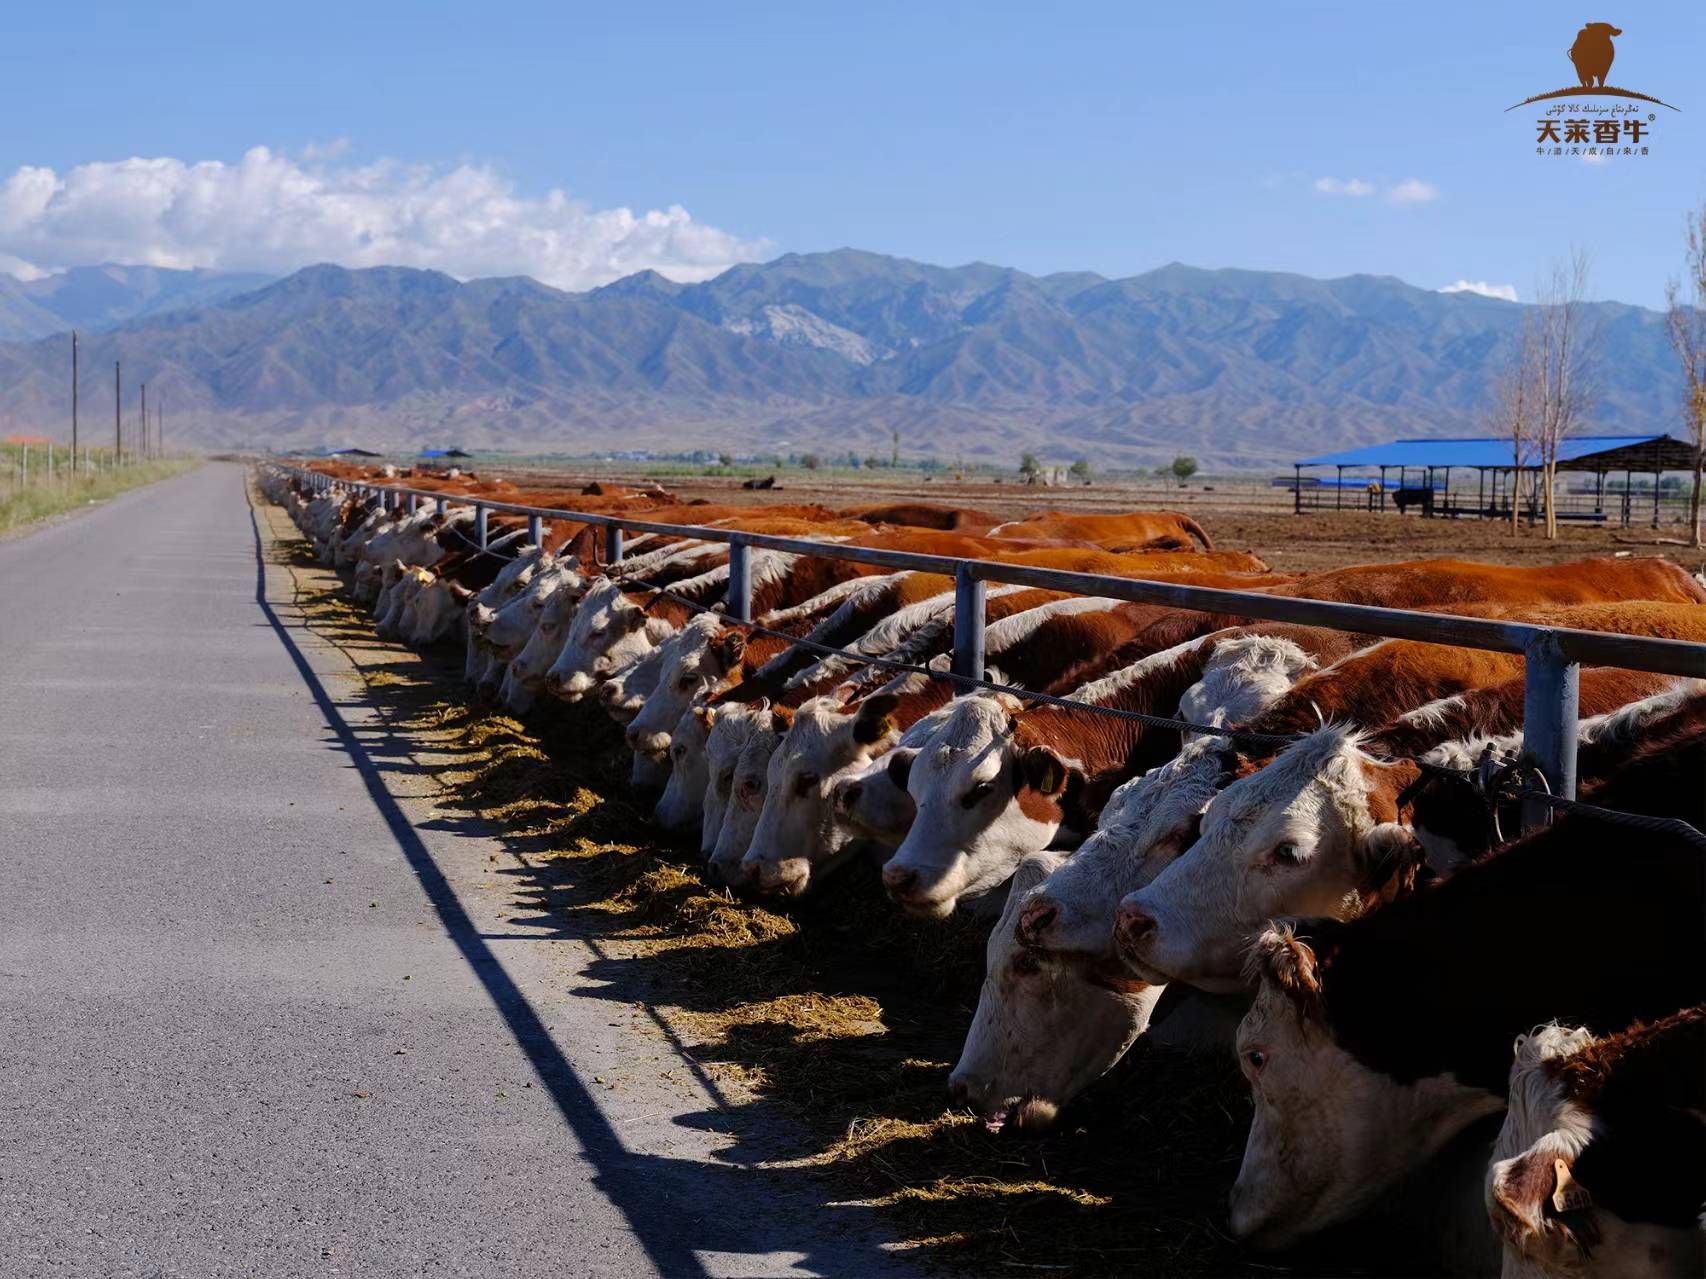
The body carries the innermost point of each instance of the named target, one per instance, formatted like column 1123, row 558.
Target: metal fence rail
column 1553, row 656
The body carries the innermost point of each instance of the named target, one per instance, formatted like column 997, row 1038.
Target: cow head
column 691, row 663
column 1048, row 1022
column 1057, row 1009
column 800, row 835
column 1241, row 677
column 1330, row 1133
column 682, row 806
column 1533, row 1200
column 609, row 630
column 1313, row 833
column 749, row 784
column 553, row 612
column 728, row 729
column 985, row 796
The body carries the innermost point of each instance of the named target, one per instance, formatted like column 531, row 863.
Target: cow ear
column 1044, row 771
column 634, row 619
column 461, row 592
column 401, row 567
column 1283, row 959
column 875, row 718
column 900, row 765
column 1391, row 855
column 781, row 719
column 1534, row 1195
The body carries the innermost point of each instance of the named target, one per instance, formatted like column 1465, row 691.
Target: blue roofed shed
column 1423, row 468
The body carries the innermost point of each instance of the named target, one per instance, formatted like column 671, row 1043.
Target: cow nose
column 609, row 695
column 553, row 683
column 899, row 880
column 632, row 736
column 1035, row 920
column 1133, row 926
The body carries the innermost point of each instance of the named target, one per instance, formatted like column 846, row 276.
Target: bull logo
column 1593, row 53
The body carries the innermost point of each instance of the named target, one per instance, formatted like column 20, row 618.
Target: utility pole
column 74, row 401
column 145, row 421
column 118, row 420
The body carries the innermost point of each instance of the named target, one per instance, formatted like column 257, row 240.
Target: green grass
column 42, row 498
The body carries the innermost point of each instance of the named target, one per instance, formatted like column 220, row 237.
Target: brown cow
column 1154, row 530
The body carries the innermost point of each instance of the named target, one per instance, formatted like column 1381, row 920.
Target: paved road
column 256, row 1014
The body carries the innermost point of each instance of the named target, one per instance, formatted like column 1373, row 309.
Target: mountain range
column 829, row 352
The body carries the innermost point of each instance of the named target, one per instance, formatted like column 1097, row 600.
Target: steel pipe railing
column 1552, row 656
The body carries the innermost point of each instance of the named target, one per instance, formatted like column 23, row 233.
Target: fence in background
column 1552, row 656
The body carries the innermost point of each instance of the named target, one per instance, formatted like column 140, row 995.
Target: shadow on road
column 677, row 1209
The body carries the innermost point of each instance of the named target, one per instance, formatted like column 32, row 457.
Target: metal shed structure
column 1424, row 467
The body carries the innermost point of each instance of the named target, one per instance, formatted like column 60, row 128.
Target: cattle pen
column 1552, row 656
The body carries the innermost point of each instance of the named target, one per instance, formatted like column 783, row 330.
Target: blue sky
column 1110, row 137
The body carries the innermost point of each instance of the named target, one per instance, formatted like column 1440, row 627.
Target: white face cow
column 799, row 836
column 731, row 727
column 691, row 664
column 1329, row 1134
column 1241, row 677
column 1057, row 1008
column 550, row 628
column 984, row 800
column 608, row 632
column 1312, row 834
column 682, row 806
column 747, row 791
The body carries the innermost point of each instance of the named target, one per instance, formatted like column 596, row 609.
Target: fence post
column 438, row 505
column 480, row 526
column 613, row 544
column 414, row 503
column 535, row 532
column 740, row 581
column 969, row 591
column 1550, row 704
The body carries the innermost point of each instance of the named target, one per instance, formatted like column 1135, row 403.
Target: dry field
column 836, row 1019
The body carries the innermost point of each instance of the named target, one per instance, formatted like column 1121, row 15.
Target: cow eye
column 686, row 681
column 1286, row 854
column 725, row 783
column 1026, row 963
column 977, row 794
column 805, row 784
column 680, row 752
column 1255, row 1058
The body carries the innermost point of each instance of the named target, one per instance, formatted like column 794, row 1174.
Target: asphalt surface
column 261, row 1012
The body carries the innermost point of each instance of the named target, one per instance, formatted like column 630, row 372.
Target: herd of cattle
column 1406, row 973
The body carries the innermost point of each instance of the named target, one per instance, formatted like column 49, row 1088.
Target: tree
column 1184, row 466
column 1686, row 319
column 1029, row 467
column 725, row 459
column 894, row 457
column 1564, row 368
column 811, row 461
column 1080, row 470
column 1514, row 396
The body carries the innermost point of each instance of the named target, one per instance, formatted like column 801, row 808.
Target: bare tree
column 1564, row 368
column 1686, row 319
column 1515, row 396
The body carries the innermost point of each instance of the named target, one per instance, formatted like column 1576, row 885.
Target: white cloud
column 1590, row 157
column 1413, row 191
column 1344, row 186
column 1505, row 291
column 270, row 212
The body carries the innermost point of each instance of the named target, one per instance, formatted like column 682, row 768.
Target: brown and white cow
column 1371, row 1044
column 1600, row 1169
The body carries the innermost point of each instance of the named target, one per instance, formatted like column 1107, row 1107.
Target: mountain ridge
column 833, row 352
